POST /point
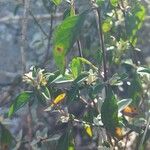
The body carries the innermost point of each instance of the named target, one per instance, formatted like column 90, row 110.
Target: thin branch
column 101, row 41
column 23, row 55
column 38, row 24
column 47, row 55
column 24, row 34
column 79, row 48
column 144, row 135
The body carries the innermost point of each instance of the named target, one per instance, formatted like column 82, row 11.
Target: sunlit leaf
column 143, row 70
column 88, row 130
column 107, row 25
column 57, row 100
column 57, row 2
column 65, row 36
column 19, row 102
column 134, row 20
column 114, row 2
column 87, row 62
column 123, row 104
column 75, row 67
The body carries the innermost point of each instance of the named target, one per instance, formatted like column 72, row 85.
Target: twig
column 49, row 38
column 85, row 122
column 101, row 38
column 79, row 48
column 78, row 41
column 38, row 24
column 102, row 44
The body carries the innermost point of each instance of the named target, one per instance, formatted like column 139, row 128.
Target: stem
column 79, row 48
column 101, row 41
column 35, row 20
column 144, row 135
column 47, row 55
column 24, row 34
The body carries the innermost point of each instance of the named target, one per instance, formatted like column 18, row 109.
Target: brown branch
column 24, row 33
column 47, row 55
column 23, row 55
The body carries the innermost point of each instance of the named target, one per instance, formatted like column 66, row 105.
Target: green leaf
column 135, row 89
column 143, row 70
column 72, row 93
column 65, row 36
column 117, row 79
column 114, row 2
column 100, row 2
column 87, row 62
column 74, row 90
column 109, row 112
column 63, row 142
column 107, row 25
column 57, row 2
column 19, row 102
column 81, row 78
column 45, row 92
column 96, row 90
column 134, row 20
column 123, row 104
column 52, row 76
column 67, row 13
column 6, row 137
column 75, row 67
column 42, row 95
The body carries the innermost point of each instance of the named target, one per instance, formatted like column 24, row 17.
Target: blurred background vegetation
column 43, row 17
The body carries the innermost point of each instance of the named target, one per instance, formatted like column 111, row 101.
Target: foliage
column 96, row 89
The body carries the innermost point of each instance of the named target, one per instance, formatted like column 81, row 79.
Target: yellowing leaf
column 130, row 111
column 118, row 132
column 65, row 36
column 57, row 100
column 88, row 130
